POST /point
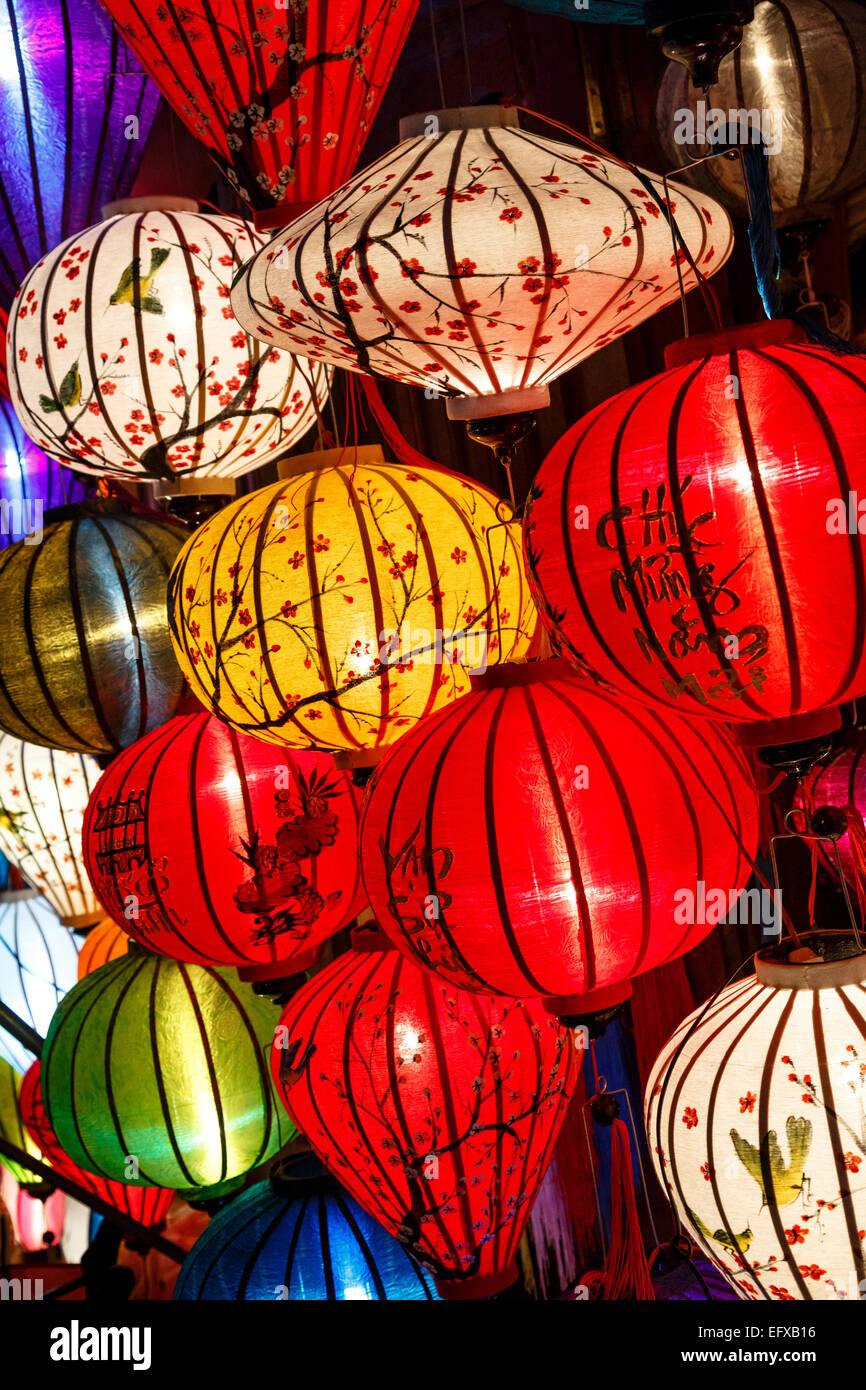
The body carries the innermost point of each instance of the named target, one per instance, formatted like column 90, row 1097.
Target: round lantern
column 40, row 1222
column 38, row 964
column 184, row 1097
column 754, row 1111
column 300, row 1237
column 774, row 85
column 534, row 839
column 13, row 1131
column 147, row 1205
column 341, row 605
column 85, row 654
column 482, row 263
column 30, row 482
column 43, row 797
column 687, row 539
column 125, row 358
column 436, row 1108
column 104, row 942
column 213, row 847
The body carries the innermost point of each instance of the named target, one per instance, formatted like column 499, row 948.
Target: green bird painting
column 137, row 289
column 68, row 394
column 786, row 1181
column 738, row 1245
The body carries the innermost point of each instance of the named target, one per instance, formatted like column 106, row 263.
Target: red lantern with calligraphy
column 690, row 541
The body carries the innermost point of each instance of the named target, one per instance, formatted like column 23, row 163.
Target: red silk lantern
column 214, row 848
column 281, row 96
column 690, row 540
column 146, row 1205
column 533, row 839
column 436, row 1108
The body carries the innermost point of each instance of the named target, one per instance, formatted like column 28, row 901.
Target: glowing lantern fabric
column 338, row 607
column 754, row 1116
column 436, row 1108
column 532, row 840
column 282, row 98
column 30, row 482
column 307, row 1241
column 213, row 847
column 687, row 538
column 12, row 1129
column 73, row 126
column 147, row 1205
column 104, row 942
column 43, row 797
column 35, row 1219
column 85, row 655
column 167, row 1063
column 124, row 356
column 482, row 263
column 38, row 964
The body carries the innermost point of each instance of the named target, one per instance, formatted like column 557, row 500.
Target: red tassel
column 625, row 1275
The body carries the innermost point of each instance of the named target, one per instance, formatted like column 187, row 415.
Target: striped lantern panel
column 156, row 1073
column 104, row 942
column 436, row 1108
column 282, row 96
column 124, row 356
column 85, row 654
column 43, row 796
column 694, row 541
column 147, row 1205
column 339, row 607
column 796, row 80
column 30, row 482
column 307, row 1241
column 38, row 964
column 754, row 1113
column 483, row 262
column 213, row 847
column 533, row 839
column 12, row 1128
column 74, row 121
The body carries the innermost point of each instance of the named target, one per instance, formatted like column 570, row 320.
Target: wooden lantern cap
column 320, row 459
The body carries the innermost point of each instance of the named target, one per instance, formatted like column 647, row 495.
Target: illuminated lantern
column 300, row 1237
column 30, row 482
column 436, row 1108
column 85, row 653
column 39, row 1223
column 38, row 964
column 533, row 839
column 147, row 1205
column 341, row 605
column 814, row 130
column 166, row 1063
column 688, row 537
column 73, row 126
column 283, row 101
column 13, row 1131
column 104, row 942
column 754, row 1111
column 43, row 797
column 483, row 263
column 124, row 356
column 213, row 847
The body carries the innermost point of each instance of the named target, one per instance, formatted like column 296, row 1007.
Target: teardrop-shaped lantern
column 13, row 1131
column 38, row 964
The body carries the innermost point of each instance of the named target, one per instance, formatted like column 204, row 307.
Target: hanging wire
column 436, row 56
column 466, row 61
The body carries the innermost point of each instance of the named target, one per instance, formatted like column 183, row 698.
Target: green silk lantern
column 156, row 1073
column 13, row 1131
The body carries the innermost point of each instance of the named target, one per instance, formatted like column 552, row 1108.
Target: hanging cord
column 466, row 62
column 436, row 56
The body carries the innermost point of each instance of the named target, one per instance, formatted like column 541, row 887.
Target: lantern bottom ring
column 478, row 1285
column 515, row 402
column 85, row 919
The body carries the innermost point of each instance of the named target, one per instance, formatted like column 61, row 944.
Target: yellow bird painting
column 137, row 289
column 786, row 1181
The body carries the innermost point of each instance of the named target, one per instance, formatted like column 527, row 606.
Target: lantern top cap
column 370, row 937
column 769, row 333
column 353, row 455
column 522, row 673
column 155, row 202
column 457, row 118
column 823, row 960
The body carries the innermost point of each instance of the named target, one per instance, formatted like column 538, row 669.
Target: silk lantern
column 38, row 964
column 40, row 1223
column 164, row 1063
column 43, row 797
column 125, row 358
column 300, row 1237
column 774, row 85
column 338, row 607
column 686, row 539
column 437, row 1109
column 482, row 263
column 754, row 1115
column 104, row 942
column 146, row 1205
column 533, row 839
column 13, row 1131
column 213, row 847
column 73, row 126
column 30, row 482
column 282, row 98
column 85, row 654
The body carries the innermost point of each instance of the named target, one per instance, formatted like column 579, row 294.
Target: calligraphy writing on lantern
column 413, row 871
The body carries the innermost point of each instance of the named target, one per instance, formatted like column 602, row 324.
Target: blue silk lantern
column 38, row 964
column 30, row 482
column 300, row 1237
column 68, row 140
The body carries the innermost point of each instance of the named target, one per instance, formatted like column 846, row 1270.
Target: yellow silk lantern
column 339, row 606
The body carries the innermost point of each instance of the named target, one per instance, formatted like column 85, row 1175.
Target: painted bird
column 68, row 394
column 786, row 1183
column 135, row 288
column 11, row 821
column 738, row 1245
